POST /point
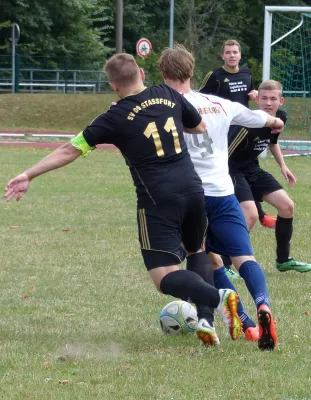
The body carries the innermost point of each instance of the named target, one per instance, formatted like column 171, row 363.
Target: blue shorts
column 227, row 232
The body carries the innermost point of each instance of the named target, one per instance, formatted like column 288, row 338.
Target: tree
column 71, row 30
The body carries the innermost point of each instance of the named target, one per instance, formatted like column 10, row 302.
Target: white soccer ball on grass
column 178, row 318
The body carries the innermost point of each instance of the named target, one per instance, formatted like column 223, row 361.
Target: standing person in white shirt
column 227, row 231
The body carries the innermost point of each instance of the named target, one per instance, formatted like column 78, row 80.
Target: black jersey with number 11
column 147, row 127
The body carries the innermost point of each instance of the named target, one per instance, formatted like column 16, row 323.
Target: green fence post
column 17, row 73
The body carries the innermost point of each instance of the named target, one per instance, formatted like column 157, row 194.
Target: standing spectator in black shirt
column 231, row 81
column 147, row 126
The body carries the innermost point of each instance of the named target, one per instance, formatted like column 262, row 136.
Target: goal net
column 290, row 64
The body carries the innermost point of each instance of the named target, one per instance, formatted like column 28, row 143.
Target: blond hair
column 176, row 63
column 270, row 84
column 122, row 69
column 230, row 42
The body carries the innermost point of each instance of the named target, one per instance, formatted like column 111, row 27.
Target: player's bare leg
column 250, row 213
column 283, row 232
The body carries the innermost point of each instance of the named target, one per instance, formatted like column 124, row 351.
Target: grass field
column 72, row 112
column 79, row 316
column 46, row 112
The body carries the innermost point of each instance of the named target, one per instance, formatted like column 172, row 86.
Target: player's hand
column 289, row 176
column 277, row 126
column 17, row 187
column 252, row 95
column 113, row 103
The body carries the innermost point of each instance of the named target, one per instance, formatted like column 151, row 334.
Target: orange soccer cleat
column 268, row 221
column 252, row 333
column 267, row 333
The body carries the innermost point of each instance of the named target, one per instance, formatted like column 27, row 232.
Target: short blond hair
column 230, row 42
column 270, row 84
column 176, row 63
column 122, row 69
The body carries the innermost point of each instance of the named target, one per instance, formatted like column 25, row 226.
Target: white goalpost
column 287, row 58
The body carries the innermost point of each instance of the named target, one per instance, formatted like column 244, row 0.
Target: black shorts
column 255, row 186
column 167, row 231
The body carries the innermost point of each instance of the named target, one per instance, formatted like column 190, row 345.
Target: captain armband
column 81, row 144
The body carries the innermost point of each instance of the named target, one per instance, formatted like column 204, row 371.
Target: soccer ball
column 178, row 318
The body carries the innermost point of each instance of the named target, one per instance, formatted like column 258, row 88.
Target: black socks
column 200, row 264
column 260, row 210
column 185, row 284
column 283, row 235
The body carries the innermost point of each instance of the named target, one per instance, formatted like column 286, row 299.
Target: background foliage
column 85, row 29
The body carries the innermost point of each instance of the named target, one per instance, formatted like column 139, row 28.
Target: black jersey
column 233, row 86
column 245, row 145
column 148, row 129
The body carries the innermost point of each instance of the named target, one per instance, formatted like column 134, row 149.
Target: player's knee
column 158, row 274
column 158, row 287
column 286, row 210
column 251, row 219
column 240, row 260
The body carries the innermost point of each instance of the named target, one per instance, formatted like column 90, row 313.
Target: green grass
column 46, row 112
column 76, row 302
column 72, row 112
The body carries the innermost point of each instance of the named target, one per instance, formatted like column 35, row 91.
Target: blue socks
column 255, row 281
column 222, row 281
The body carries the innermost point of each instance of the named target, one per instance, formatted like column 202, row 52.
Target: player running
column 251, row 183
column 227, row 230
column 147, row 126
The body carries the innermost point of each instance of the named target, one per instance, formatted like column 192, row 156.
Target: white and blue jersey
column 227, row 231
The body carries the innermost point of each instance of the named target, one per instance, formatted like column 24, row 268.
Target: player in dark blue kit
column 147, row 126
column 251, row 183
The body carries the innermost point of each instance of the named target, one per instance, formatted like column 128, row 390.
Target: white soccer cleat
column 207, row 333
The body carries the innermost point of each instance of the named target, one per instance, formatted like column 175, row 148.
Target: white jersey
column 209, row 151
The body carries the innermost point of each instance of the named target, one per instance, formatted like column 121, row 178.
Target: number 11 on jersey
column 169, row 126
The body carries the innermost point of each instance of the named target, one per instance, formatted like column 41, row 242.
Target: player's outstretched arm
column 252, row 119
column 276, row 124
column 62, row 156
column 278, row 156
column 201, row 128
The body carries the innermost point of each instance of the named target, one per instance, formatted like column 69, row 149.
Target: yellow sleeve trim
column 81, row 144
column 206, row 78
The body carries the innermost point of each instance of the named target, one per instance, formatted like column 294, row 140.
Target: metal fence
column 51, row 74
